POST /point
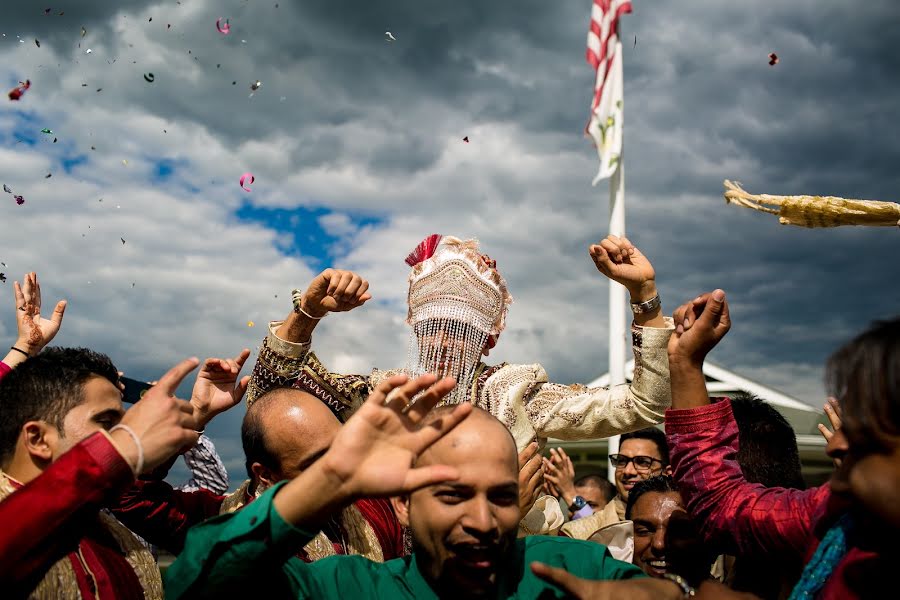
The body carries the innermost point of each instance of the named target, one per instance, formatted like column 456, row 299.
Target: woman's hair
column 864, row 376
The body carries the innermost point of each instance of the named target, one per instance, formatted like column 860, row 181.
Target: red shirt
column 749, row 518
column 54, row 517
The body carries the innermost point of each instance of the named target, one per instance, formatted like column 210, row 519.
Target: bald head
column 285, row 431
column 479, row 432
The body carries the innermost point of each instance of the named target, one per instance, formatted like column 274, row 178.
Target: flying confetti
column 83, row 32
column 773, row 59
column 256, row 85
column 88, row 51
column 389, row 37
column 47, row 131
column 249, row 179
column 6, row 189
column 149, row 77
column 2, row 278
column 249, row 323
column 466, row 139
column 123, row 240
column 223, row 28
column 19, row 91
column 37, row 43
column 19, row 200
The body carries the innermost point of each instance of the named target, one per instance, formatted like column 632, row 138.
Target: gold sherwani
column 519, row 395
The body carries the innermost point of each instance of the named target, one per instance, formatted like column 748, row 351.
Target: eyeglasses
column 641, row 463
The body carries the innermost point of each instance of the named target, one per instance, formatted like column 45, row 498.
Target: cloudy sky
column 356, row 147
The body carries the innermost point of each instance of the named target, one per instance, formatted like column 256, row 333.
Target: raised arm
column 285, row 353
column 35, row 331
column 579, row 412
column 745, row 518
column 373, row 455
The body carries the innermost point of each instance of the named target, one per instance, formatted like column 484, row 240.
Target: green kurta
column 251, row 552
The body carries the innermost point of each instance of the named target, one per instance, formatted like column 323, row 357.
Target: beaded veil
column 457, row 307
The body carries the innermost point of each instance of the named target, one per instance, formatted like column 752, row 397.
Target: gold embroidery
column 60, row 581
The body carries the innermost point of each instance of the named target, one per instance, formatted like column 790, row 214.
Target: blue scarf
column 831, row 550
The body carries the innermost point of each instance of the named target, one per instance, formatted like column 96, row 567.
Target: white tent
column 591, row 455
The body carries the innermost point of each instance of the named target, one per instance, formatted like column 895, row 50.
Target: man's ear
column 264, row 475
column 667, row 470
column 401, row 509
column 40, row 440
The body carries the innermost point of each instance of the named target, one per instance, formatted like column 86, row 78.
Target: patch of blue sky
column 301, row 228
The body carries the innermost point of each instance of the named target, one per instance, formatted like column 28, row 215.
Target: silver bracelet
column 137, row 442
column 650, row 305
column 297, row 297
column 687, row 590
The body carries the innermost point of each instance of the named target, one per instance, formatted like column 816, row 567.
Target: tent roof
column 722, row 382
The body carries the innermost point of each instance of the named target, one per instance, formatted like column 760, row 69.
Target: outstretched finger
column 379, row 395
column 826, row 433
column 419, row 406
column 441, row 426
column 241, row 388
column 20, row 297
column 36, row 292
column 58, row 312
column 173, row 378
column 558, row 577
column 430, row 475
column 241, row 358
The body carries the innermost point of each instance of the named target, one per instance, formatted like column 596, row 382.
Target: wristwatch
column 650, row 305
column 577, row 504
column 687, row 590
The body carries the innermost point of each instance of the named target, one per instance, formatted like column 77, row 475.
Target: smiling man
column 456, row 484
column 642, row 454
column 650, row 506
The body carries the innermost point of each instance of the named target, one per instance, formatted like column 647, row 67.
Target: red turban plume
column 424, row 250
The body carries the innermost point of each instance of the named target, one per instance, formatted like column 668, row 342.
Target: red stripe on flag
column 605, row 55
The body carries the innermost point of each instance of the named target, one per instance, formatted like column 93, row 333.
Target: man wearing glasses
column 642, row 454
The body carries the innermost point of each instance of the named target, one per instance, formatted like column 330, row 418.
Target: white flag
column 604, row 53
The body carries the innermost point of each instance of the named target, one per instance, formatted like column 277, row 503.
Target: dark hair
column 661, row 484
column 767, row 450
column 45, row 388
column 253, row 437
column 599, row 481
column 864, row 376
column 653, row 434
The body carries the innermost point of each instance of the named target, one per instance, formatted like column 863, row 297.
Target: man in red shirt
column 67, row 449
column 844, row 530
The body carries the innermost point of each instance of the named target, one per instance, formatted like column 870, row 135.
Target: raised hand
column 217, row 387
column 163, row 424
column 334, row 290
column 833, row 411
column 699, row 325
column 621, row 261
column 531, row 478
column 560, row 472
column 375, row 450
column 35, row 331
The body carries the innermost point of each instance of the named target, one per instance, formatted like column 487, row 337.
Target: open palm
column 375, row 451
column 35, row 331
column 217, row 387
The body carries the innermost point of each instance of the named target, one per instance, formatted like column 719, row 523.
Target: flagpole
column 617, row 328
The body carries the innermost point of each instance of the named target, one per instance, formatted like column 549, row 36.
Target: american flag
column 604, row 54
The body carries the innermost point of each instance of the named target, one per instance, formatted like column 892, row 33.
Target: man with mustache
column 454, row 475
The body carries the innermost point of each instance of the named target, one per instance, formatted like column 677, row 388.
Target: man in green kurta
column 455, row 487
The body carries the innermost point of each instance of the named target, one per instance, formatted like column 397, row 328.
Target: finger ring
column 22, row 308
